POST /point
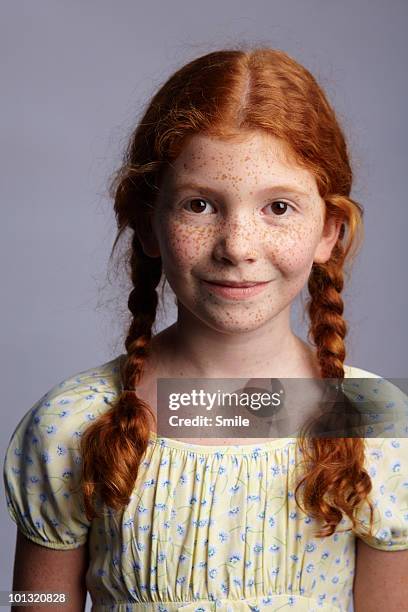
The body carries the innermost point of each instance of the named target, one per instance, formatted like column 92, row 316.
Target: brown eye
column 279, row 207
column 197, row 205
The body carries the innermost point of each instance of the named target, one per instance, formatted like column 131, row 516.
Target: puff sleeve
column 387, row 465
column 42, row 465
column 385, row 407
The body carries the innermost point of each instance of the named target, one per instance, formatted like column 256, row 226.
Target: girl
column 237, row 174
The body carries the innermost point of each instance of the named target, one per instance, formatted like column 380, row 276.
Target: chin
column 231, row 326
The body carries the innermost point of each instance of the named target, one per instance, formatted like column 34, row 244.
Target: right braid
column 336, row 482
column 113, row 445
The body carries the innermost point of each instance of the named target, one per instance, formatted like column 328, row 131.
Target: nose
column 236, row 242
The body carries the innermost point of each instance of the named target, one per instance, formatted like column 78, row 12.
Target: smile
column 235, row 293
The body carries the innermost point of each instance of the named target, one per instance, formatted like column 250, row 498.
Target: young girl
column 237, row 174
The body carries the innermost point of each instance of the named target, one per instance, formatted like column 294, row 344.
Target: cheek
column 181, row 247
column 292, row 249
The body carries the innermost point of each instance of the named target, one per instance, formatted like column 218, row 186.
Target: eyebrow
column 291, row 189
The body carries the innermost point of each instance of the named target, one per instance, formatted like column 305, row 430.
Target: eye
column 197, row 205
column 279, row 207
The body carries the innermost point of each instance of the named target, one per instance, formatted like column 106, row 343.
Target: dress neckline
column 242, row 449
column 211, row 449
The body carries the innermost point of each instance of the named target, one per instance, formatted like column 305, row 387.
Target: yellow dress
column 208, row 527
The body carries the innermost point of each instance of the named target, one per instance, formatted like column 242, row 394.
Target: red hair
column 221, row 94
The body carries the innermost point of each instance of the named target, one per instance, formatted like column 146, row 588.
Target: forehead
column 247, row 156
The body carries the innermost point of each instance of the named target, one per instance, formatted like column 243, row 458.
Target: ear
column 146, row 234
column 329, row 237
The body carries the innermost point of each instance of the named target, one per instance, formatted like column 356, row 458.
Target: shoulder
column 354, row 372
column 383, row 403
column 71, row 403
column 42, row 464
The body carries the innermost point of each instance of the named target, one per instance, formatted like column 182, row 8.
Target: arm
column 38, row 568
column 381, row 579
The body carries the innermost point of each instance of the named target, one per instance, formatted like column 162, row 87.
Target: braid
column 336, row 480
column 114, row 444
column 142, row 303
column 328, row 328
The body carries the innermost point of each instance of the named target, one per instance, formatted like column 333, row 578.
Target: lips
column 241, row 284
column 235, row 290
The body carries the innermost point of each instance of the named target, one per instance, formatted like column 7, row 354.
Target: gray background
column 74, row 77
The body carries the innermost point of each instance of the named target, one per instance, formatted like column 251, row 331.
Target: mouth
column 226, row 283
column 234, row 290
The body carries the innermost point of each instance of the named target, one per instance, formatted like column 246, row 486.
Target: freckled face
column 254, row 215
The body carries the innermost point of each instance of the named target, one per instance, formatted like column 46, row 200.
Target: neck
column 191, row 349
